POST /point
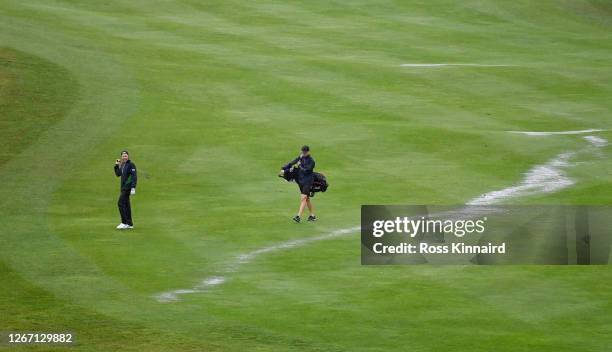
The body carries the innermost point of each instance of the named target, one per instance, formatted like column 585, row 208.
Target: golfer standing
column 126, row 169
column 305, row 165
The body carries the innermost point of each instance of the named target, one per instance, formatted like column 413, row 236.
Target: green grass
column 34, row 94
column 212, row 97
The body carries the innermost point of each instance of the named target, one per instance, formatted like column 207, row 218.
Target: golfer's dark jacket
column 305, row 170
column 128, row 175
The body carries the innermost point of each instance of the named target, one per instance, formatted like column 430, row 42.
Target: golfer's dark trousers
column 124, row 207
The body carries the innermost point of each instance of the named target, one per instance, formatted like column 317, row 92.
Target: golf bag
column 290, row 174
column 319, row 183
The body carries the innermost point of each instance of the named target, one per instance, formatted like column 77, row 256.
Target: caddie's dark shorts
column 305, row 188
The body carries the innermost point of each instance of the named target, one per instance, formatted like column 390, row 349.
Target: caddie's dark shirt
column 307, row 165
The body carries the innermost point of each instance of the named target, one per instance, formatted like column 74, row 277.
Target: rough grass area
column 34, row 94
